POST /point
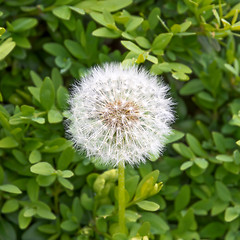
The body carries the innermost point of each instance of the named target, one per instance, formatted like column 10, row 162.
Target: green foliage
column 49, row 191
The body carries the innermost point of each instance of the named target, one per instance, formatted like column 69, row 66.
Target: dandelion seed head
column 120, row 114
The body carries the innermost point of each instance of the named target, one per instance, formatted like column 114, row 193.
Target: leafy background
column 48, row 191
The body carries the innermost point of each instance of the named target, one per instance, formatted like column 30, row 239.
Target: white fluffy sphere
column 120, row 114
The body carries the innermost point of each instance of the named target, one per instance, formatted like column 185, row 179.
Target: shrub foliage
column 48, row 191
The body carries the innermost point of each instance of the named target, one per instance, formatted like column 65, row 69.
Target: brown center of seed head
column 120, row 114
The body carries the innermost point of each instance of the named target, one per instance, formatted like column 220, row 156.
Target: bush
column 47, row 190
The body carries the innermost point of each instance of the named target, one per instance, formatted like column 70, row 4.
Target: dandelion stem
column 121, row 197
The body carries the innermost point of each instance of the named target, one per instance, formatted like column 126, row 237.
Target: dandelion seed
column 120, row 114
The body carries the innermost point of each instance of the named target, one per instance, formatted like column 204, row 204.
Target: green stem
column 121, row 197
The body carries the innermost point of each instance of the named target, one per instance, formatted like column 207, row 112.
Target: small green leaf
column 54, row 116
column 219, row 141
column 35, row 156
column 201, row 162
column 195, row 145
column 174, row 136
column 8, row 142
column 10, row 188
column 186, row 165
column 23, row 221
column 161, row 42
column 66, row 183
column 43, row 168
column 148, row 205
column 106, row 33
column 6, row 47
column 192, row 87
column 69, row 225
column 222, row 191
column 62, row 12
column 10, row 206
column 183, row 198
column 224, row 158
column 183, row 150
column 75, row 49
column 47, row 94
column 23, row 24
column 33, row 190
column 56, row 50
column 132, row 47
column 231, row 213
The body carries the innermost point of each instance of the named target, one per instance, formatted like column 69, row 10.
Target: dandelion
column 120, row 114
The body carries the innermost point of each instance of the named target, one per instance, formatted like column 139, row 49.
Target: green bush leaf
column 10, row 188
column 43, row 168
column 47, row 94
column 8, row 142
column 24, row 24
column 10, row 206
column 62, row 12
column 161, row 42
column 148, row 205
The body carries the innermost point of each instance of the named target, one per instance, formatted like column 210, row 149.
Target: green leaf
column 105, row 211
column 174, row 136
column 186, row 165
column 183, row 150
column 23, row 221
column 158, row 225
column 69, row 225
column 10, row 206
column 33, row 190
column 36, row 79
column 10, row 188
column 65, row 158
column 148, row 205
column 62, row 12
column 145, row 187
column 224, row 158
column 22, row 42
column 8, row 142
column 132, row 47
column 62, row 96
column 43, row 168
column 106, row 5
column 82, row 169
column 144, row 230
column 47, row 94
column 119, row 236
column 143, row 42
column 192, row 87
column 231, row 213
column 219, row 141
column 44, row 211
column 23, row 24
column 153, row 18
column 201, row 162
column 66, row 183
column 179, row 67
column 183, row 198
column 6, row 47
column 133, row 23
column 222, row 191
column 132, row 216
column 35, row 156
column 54, row 116
column 75, row 49
column 195, row 145
column 106, row 33
column 213, row 230
column 161, row 42
column 56, row 50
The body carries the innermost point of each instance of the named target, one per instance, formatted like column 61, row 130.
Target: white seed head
column 120, row 114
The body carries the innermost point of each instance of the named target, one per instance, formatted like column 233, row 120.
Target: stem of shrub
column 121, row 197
